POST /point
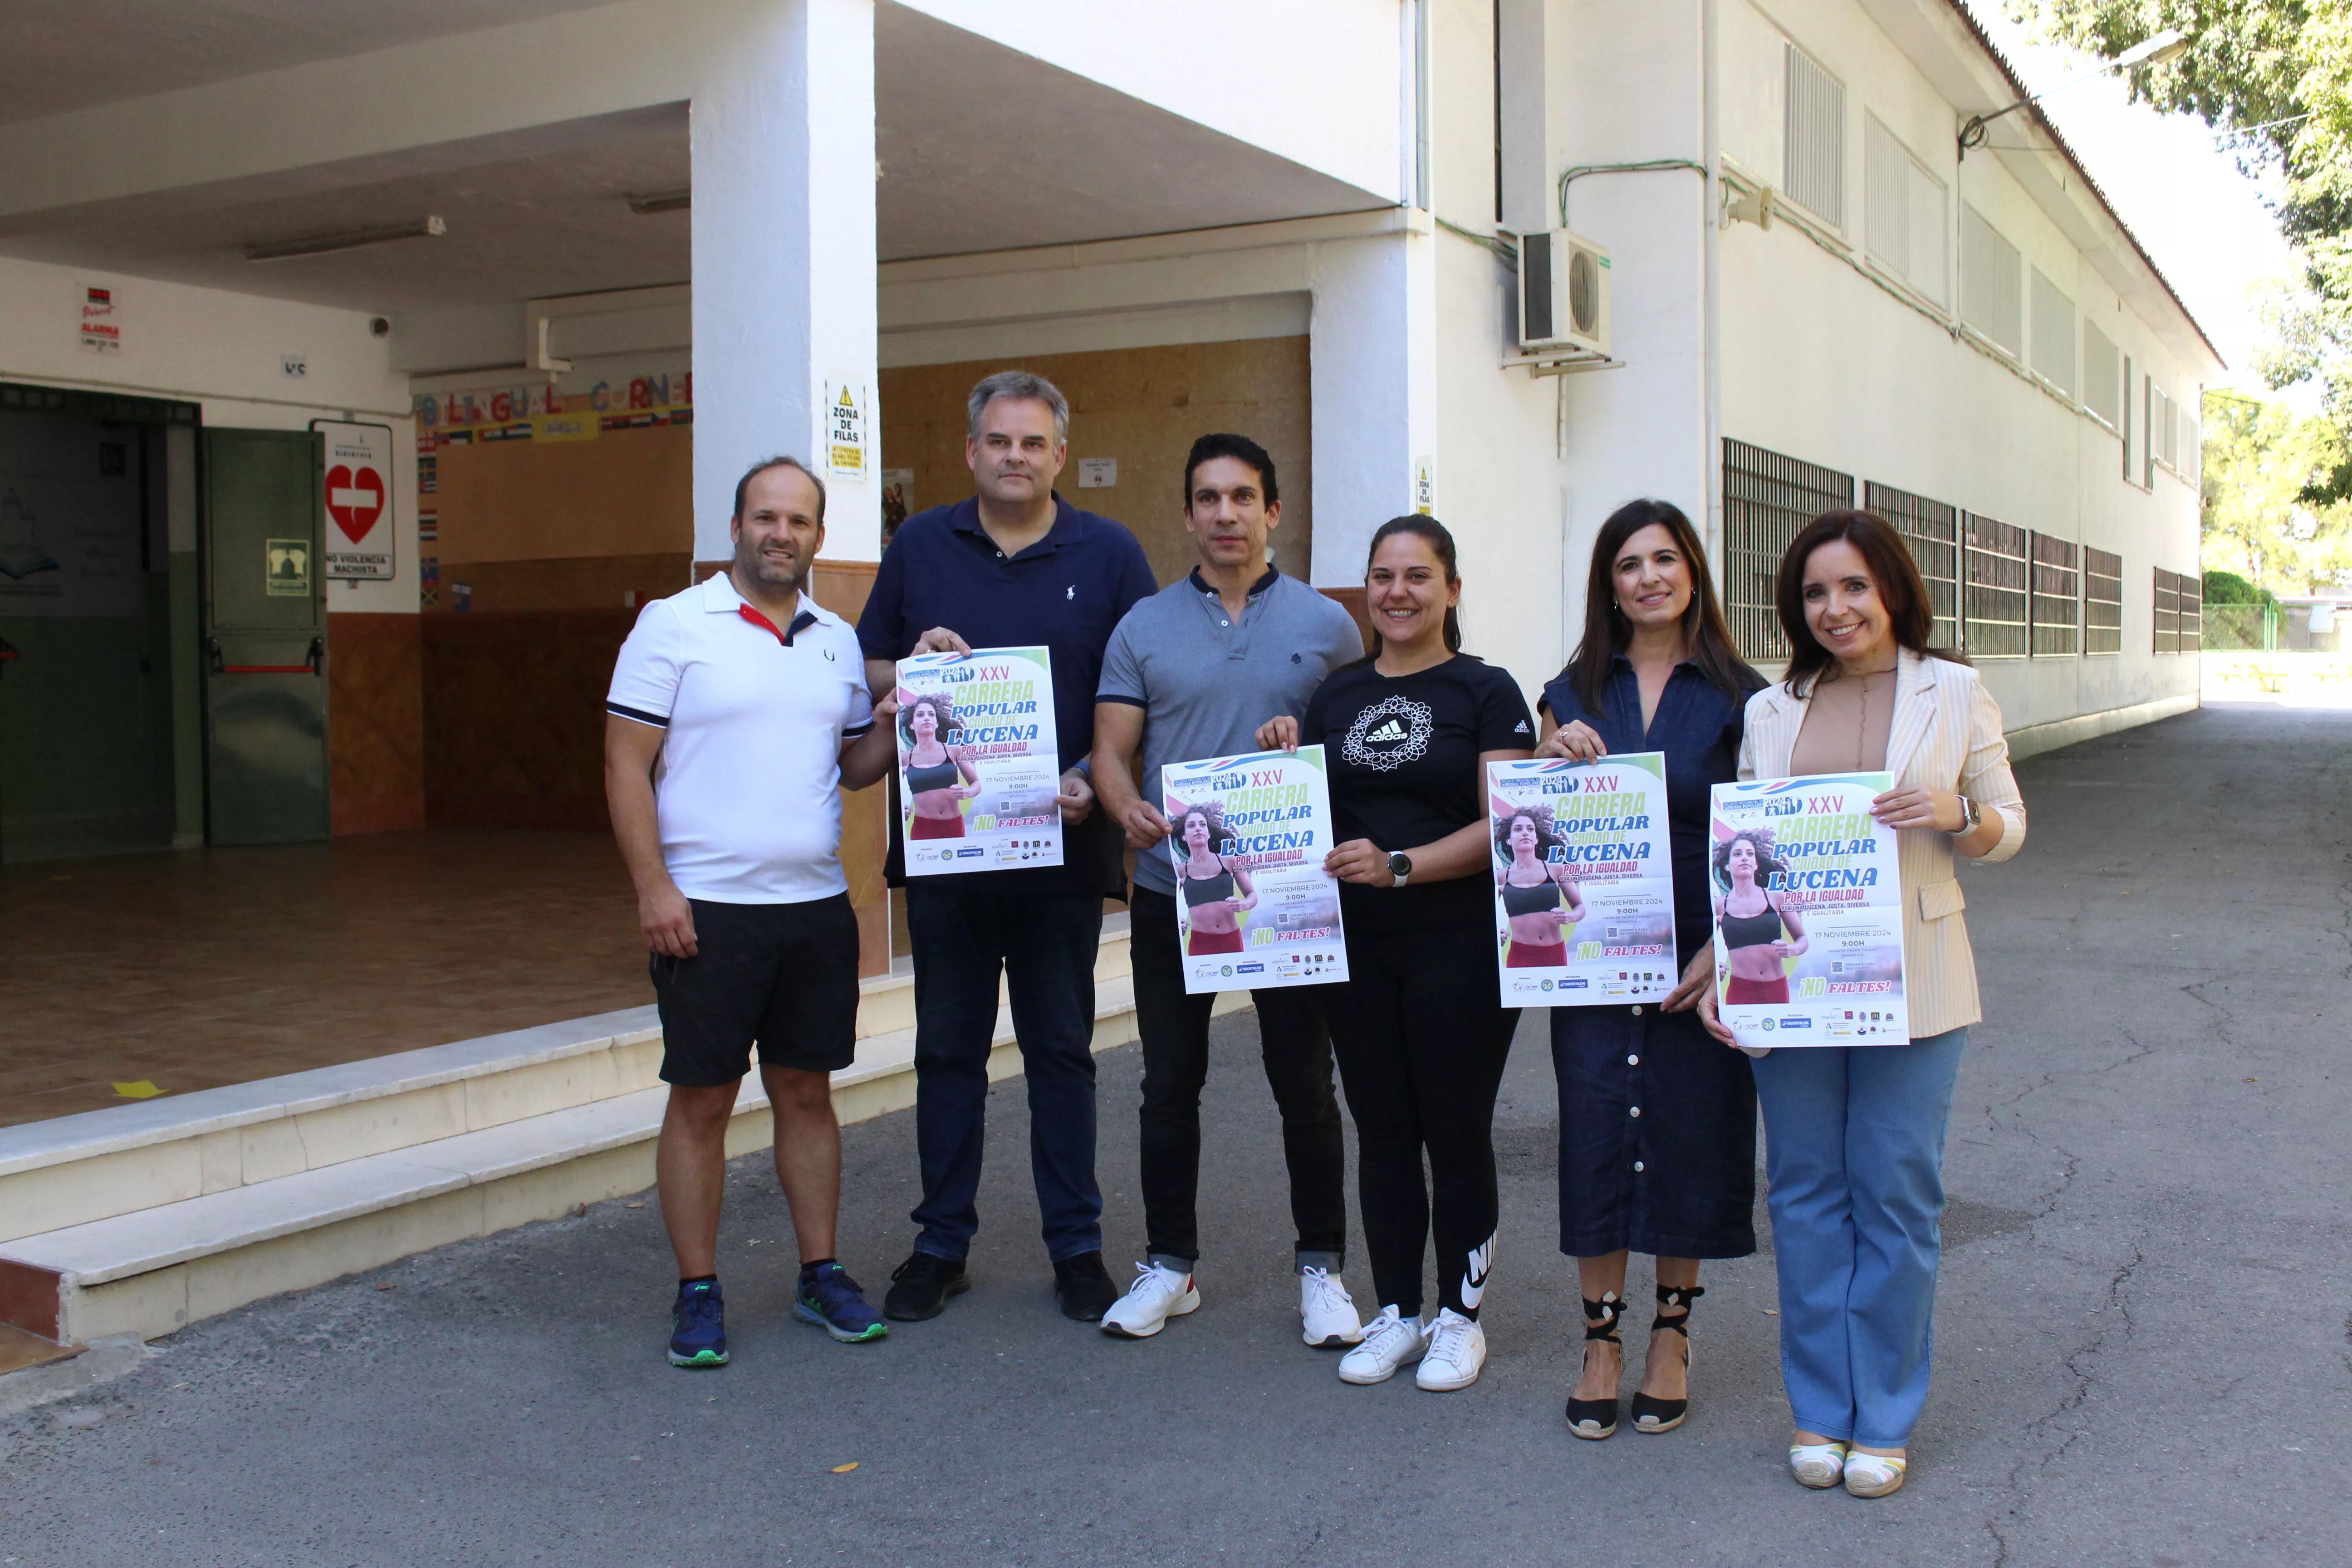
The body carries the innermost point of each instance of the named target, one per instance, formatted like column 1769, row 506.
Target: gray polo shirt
column 1205, row 685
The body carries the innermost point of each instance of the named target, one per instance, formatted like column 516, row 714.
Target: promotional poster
column 1807, row 914
column 1584, row 889
column 1248, row 837
column 978, row 766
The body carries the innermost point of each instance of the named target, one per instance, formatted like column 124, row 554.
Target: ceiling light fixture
column 346, row 239
column 653, row 202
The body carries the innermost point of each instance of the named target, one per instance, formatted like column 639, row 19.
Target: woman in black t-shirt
column 1418, row 1028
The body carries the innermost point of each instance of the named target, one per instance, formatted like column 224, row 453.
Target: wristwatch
column 1972, row 814
column 1400, row 866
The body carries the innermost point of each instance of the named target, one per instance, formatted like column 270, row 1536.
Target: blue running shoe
column 831, row 1300
column 698, row 1326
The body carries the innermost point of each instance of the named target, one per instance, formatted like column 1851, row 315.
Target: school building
column 363, row 369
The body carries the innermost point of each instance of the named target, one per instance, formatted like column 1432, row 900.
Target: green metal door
column 265, row 637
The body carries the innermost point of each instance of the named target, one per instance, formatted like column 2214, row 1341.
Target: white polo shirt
column 748, row 787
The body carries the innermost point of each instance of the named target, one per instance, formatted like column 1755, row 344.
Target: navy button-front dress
column 1657, row 1119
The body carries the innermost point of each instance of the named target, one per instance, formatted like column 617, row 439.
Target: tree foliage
column 2263, row 463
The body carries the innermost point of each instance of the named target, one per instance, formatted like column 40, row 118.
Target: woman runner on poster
column 1759, row 932
column 938, row 781
column 1657, row 1122
column 1543, row 904
column 1217, row 891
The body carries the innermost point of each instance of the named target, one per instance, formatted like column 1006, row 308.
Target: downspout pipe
column 1711, row 460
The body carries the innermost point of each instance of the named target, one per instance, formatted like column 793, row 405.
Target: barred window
column 2179, row 613
column 2056, row 602
column 1988, row 281
column 2054, row 334
column 1815, row 174
column 1932, row 529
column 1993, row 590
column 2103, row 601
column 1767, row 498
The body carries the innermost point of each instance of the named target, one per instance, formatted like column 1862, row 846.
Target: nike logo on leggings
column 1473, row 1282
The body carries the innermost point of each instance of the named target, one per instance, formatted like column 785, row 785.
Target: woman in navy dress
column 1657, row 1121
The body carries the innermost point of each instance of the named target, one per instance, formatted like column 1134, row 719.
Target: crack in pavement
column 2080, row 1369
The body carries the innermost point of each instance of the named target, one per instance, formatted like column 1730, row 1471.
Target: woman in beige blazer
column 1855, row 1135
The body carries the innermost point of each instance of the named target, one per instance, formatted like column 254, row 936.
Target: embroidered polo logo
column 1071, row 592
column 1293, row 659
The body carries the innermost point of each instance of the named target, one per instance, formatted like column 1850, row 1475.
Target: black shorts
column 785, row 975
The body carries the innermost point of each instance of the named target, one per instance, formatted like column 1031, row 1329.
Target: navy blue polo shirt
column 1065, row 593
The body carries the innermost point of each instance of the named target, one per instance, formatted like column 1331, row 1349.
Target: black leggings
column 1422, row 1038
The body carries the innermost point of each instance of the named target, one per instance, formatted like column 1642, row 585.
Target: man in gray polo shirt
column 1192, row 672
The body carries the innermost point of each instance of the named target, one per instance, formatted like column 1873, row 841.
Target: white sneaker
column 1327, row 1311
column 1389, row 1343
column 1457, row 1348
column 1157, row 1295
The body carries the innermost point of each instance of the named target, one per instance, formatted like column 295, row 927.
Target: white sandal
column 1819, row 1465
column 1873, row 1475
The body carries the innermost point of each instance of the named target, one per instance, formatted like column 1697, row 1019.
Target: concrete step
column 153, row 1270
column 75, row 1170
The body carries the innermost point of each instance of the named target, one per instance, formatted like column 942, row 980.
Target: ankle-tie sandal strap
column 1676, row 1296
column 1601, row 1318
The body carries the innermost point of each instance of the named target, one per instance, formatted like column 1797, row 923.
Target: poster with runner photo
column 1583, row 877
column 1248, row 837
column 979, row 769
column 1807, row 914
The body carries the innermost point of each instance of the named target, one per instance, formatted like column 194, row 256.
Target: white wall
column 222, row 351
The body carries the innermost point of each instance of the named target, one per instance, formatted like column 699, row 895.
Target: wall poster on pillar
column 359, row 530
column 848, row 437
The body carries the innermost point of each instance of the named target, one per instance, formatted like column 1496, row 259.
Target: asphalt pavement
column 2143, row 1354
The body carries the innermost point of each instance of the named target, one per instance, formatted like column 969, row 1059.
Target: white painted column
column 783, row 268
column 1372, row 389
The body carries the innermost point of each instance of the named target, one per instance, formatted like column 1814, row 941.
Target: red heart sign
column 354, row 500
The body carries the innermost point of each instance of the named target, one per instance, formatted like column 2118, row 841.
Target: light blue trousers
column 1854, row 1150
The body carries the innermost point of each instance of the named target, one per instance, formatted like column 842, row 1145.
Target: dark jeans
column 1043, row 945
column 1298, row 1052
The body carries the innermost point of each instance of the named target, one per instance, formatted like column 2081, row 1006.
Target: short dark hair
column 1241, row 449
column 762, row 467
column 1910, row 617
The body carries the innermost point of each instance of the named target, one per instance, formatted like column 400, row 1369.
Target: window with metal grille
column 1992, row 587
column 1903, row 210
column 1988, row 281
column 1767, row 498
column 1932, row 529
column 1816, row 138
column 2102, row 385
column 2168, row 613
column 2054, row 334
column 2056, row 605
column 2103, row 601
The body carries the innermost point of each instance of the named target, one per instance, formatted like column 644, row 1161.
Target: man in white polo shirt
column 738, row 710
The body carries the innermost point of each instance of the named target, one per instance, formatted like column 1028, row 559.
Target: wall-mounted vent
column 1815, row 139
column 1989, row 289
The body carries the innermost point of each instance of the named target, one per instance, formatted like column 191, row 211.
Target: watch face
column 1400, row 866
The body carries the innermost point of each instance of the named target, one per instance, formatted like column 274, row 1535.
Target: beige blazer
column 1947, row 735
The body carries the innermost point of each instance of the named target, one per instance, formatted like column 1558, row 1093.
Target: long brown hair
column 1441, row 545
column 1909, row 616
column 1608, row 631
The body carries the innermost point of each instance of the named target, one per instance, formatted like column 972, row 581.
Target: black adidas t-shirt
column 1403, row 759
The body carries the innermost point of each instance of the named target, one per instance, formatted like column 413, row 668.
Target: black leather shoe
column 1083, row 1287
column 920, row 1288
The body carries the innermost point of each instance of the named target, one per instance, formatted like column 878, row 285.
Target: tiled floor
column 205, row 967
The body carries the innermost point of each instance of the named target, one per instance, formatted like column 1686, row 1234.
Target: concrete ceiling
column 982, row 148
column 57, row 55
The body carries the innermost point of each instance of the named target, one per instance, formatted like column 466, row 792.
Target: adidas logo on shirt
column 1386, row 733
column 1520, row 728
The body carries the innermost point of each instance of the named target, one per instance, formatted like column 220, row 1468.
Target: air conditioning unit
column 1563, row 294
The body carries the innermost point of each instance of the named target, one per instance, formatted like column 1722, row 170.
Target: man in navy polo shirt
column 1013, row 566
column 738, row 710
